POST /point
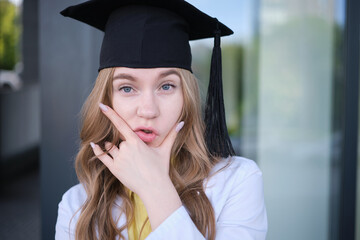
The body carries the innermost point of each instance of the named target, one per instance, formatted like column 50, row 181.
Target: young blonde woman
column 149, row 166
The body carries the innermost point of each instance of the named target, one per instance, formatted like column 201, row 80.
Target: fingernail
column 103, row 107
column 92, row 144
column 179, row 126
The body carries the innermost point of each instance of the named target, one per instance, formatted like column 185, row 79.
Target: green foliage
column 232, row 68
column 9, row 35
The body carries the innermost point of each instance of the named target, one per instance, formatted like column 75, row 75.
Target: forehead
column 145, row 72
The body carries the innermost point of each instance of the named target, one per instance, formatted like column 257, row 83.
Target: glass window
column 295, row 115
column 283, row 86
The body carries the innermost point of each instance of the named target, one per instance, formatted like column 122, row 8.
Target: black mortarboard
column 156, row 33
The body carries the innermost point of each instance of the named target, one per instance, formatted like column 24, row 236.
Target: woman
column 148, row 166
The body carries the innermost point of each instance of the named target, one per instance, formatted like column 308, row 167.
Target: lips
column 146, row 134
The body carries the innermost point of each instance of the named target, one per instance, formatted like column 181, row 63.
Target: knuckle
column 100, row 155
column 110, row 147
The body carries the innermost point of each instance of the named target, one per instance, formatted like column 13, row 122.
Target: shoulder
column 71, row 202
column 232, row 182
column 74, row 198
column 234, row 168
column 69, row 211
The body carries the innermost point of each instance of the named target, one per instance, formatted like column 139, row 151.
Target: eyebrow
column 169, row 72
column 132, row 78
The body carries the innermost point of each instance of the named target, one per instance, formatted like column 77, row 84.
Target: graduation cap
column 156, row 33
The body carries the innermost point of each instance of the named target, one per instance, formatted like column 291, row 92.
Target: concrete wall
column 20, row 123
column 68, row 67
column 30, row 41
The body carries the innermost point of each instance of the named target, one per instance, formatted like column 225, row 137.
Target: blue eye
column 126, row 89
column 166, row 87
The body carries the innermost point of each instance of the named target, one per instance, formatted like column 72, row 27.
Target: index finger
column 169, row 140
column 118, row 122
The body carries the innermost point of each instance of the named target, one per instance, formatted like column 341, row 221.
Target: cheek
column 178, row 106
column 122, row 109
column 173, row 111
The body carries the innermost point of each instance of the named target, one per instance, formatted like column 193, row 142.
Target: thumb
column 170, row 138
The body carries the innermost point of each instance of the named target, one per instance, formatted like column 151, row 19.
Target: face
column 149, row 100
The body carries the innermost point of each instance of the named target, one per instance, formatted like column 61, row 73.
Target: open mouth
column 145, row 134
column 146, row 131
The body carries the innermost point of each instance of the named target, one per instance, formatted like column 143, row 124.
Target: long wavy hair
column 190, row 165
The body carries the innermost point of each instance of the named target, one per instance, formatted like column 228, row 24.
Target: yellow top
column 141, row 216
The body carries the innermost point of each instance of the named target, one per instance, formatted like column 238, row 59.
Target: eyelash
column 166, row 84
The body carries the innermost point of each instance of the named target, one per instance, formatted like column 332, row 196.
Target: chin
column 150, row 144
column 154, row 143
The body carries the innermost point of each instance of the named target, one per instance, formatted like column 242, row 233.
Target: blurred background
column 291, row 83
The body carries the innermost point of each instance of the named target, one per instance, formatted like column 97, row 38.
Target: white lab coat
column 236, row 194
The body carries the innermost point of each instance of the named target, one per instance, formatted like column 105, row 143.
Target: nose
column 148, row 106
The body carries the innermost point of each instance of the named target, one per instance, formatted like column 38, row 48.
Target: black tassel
column 216, row 134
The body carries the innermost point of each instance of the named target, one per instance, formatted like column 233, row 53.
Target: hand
column 136, row 165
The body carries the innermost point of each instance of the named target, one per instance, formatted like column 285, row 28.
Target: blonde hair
column 190, row 164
